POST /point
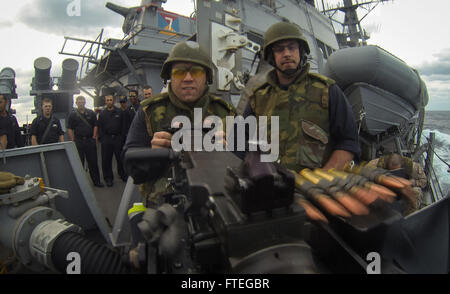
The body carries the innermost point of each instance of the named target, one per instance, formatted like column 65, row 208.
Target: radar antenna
column 352, row 34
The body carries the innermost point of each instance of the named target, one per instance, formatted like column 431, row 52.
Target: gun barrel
column 117, row 9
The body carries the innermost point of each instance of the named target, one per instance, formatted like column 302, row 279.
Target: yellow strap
column 42, row 185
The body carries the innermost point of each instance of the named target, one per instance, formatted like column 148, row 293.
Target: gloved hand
column 8, row 181
column 163, row 227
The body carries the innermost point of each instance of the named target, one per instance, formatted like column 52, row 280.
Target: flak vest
column 159, row 112
column 304, row 126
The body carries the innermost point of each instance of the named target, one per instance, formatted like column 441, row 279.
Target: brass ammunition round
column 330, row 205
column 379, row 189
column 363, row 195
column 311, row 211
column 338, row 173
column 352, row 204
column 310, row 176
column 389, row 182
column 322, row 173
column 402, row 180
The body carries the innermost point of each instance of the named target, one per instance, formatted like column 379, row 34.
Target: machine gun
column 232, row 220
column 226, row 215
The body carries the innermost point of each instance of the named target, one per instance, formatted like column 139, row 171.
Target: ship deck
column 108, row 199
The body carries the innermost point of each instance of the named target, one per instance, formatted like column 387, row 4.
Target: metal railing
column 89, row 51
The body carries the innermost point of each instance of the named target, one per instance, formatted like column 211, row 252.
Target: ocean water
column 439, row 123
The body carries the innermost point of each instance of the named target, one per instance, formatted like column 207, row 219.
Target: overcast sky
column 416, row 31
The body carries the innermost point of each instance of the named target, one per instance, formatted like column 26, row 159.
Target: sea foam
column 442, row 148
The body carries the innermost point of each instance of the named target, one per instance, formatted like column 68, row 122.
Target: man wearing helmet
column 316, row 128
column 189, row 70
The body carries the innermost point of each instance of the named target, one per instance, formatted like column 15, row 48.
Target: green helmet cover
column 187, row 51
column 283, row 31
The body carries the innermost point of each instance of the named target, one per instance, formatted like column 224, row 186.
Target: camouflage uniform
column 303, row 117
column 159, row 112
column 314, row 115
column 156, row 113
column 418, row 181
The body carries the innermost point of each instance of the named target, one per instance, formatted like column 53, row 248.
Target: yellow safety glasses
column 181, row 72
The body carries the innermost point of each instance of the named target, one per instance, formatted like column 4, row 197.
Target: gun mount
column 232, row 216
column 226, row 215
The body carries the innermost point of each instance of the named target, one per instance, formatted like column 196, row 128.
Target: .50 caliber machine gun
column 232, row 216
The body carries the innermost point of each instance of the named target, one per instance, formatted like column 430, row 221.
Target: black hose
column 94, row 258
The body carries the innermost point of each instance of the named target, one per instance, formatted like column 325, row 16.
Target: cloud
column 25, row 103
column 439, row 93
column 444, row 54
column 52, row 16
column 5, row 24
column 436, row 75
column 438, row 67
column 23, row 83
column 23, row 107
column 435, row 68
column 372, row 28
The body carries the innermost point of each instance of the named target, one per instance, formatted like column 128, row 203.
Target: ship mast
column 352, row 34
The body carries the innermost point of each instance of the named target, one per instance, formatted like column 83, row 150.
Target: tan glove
column 8, row 181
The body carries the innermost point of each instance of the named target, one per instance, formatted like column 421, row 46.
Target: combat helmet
column 283, row 31
column 187, row 51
